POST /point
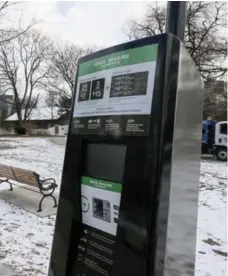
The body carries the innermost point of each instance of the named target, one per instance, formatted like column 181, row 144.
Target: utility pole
column 175, row 18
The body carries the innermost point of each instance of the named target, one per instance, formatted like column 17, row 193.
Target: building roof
column 39, row 114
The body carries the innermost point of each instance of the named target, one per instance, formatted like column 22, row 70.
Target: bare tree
column 153, row 23
column 9, row 33
column 52, row 101
column 55, row 99
column 215, row 100
column 64, row 104
column 205, row 33
column 61, row 78
column 24, row 60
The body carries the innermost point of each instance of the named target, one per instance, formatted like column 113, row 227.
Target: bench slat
column 28, row 182
column 4, row 166
column 5, row 169
column 24, row 175
column 6, row 172
column 26, row 178
column 8, row 176
column 22, row 170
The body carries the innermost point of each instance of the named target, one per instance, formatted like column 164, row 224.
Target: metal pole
column 175, row 18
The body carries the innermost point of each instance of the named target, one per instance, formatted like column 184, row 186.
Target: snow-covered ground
column 211, row 258
column 25, row 239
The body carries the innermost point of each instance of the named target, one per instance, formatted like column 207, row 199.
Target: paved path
column 61, row 141
column 7, row 271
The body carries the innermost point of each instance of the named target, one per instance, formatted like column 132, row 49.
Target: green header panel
column 119, row 59
column 102, row 184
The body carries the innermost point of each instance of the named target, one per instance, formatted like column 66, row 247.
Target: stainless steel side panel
column 185, row 170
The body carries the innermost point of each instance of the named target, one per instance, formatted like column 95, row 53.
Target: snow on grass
column 34, row 154
column 211, row 249
column 25, row 239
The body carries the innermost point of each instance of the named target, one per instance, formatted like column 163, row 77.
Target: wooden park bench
column 46, row 187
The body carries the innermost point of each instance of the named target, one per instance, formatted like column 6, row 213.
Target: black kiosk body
column 129, row 192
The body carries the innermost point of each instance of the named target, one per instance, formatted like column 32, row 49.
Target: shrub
column 20, row 130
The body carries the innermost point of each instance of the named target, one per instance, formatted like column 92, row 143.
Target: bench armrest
column 48, row 183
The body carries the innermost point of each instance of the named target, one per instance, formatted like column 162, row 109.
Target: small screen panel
column 105, row 161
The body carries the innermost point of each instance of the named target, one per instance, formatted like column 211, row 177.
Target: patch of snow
column 25, row 240
column 212, row 220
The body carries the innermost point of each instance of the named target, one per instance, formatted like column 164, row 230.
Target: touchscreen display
column 105, row 161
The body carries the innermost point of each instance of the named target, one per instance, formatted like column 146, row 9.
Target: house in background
column 5, row 106
column 42, row 120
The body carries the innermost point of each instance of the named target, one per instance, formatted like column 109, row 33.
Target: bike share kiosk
column 129, row 192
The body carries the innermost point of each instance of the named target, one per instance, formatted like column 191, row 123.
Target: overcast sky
column 98, row 23
column 83, row 22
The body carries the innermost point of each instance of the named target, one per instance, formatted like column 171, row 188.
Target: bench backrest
column 25, row 176
column 6, row 172
column 19, row 175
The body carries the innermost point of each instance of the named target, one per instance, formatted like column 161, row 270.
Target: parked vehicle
column 214, row 139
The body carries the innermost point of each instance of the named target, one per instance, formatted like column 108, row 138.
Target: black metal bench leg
column 55, row 201
column 42, row 199
column 40, row 203
column 11, row 187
